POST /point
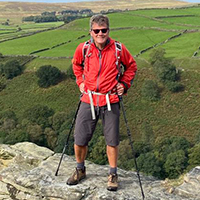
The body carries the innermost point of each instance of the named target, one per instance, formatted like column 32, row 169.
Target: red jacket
column 100, row 71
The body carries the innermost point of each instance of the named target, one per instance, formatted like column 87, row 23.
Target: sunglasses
column 103, row 30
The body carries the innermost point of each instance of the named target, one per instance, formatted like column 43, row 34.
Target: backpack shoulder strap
column 118, row 50
column 85, row 49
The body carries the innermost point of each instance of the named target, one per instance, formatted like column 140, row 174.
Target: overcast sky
column 67, row 1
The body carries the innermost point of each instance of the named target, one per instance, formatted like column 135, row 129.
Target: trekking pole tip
column 56, row 174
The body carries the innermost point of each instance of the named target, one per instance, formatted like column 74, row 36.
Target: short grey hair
column 100, row 20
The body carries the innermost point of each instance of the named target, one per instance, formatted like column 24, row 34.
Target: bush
column 70, row 73
column 174, row 86
column 61, row 142
column 167, row 145
column 100, row 150
column 1, row 68
column 125, row 155
column 36, row 134
column 163, row 67
column 48, row 76
column 165, row 70
column 51, row 138
column 149, row 164
column 58, row 120
column 39, row 114
column 8, row 114
column 2, row 82
column 15, row 137
column 194, row 156
column 175, row 164
column 11, row 69
column 157, row 54
column 150, row 90
column 197, row 137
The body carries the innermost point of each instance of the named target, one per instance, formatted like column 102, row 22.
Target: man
column 97, row 74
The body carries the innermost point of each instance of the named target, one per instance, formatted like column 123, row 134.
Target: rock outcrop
column 27, row 172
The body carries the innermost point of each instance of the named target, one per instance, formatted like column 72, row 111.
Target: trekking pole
column 131, row 143
column 67, row 141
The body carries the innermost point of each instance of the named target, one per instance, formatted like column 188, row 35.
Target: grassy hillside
column 176, row 114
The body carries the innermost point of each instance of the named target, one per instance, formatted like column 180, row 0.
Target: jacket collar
column 108, row 42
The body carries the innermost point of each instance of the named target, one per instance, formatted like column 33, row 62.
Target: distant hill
column 16, row 10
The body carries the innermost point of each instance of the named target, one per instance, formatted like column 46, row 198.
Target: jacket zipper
column 100, row 65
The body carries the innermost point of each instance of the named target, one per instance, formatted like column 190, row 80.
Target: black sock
column 113, row 170
column 81, row 165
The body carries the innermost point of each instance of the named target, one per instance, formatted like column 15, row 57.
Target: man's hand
column 81, row 87
column 120, row 89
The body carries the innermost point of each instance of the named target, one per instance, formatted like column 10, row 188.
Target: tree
column 197, row 137
column 165, row 70
column 8, row 114
column 2, row 81
column 149, row 164
column 28, row 19
column 126, row 160
column 16, row 136
column 98, row 153
column 70, row 73
column 39, row 114
column 194, row 156
column 8, row 120
column 167, row 145
column 61, row 141
column 174, row 86
column 58, row 120
column 157, row 54
column 11, row 69
column 175, row 164
column 45, row 18
column 48, row 75
column 36, row 134
column 51, row 137
column 150, row 90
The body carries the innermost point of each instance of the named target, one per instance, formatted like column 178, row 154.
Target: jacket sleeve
column 130, row 68
column 77, row 63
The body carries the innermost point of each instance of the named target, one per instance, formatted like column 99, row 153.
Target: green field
column 123, row 20
column 138, row 30
column 192, row 21
column 66, row 50
column 46, row 25
column 169, row 12
column 182, row 47
column 48, row 39
column 61, row 63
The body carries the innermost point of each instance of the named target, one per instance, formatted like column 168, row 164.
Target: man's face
column 100, row 34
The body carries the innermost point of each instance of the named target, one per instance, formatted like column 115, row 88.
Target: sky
column 67, row 1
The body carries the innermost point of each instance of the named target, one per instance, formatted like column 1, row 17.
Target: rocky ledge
column 27, row 172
